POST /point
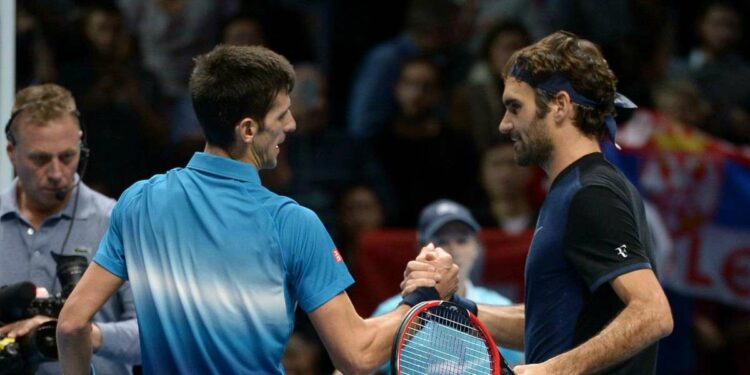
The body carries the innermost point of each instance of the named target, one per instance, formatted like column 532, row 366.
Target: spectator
column 429, row 32
column 170, row 33
column 682, row 102
column 125, row 131
column 321, row 159
column 478, row 104
column 48, row 212
column 720, row 72
column 508, row 189
column 244, row 30
column 418, row 146
column 359, row 210
column 34, row 59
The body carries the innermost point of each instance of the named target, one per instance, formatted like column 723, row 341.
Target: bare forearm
column 634, row 329
column 371, row 344
column 505, row 323
column 74, row 349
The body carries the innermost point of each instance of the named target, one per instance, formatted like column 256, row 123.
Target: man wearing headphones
column 48, row 211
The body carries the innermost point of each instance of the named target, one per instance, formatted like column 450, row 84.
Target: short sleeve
column 601, row 238
column 316, row 270
column 111, row 255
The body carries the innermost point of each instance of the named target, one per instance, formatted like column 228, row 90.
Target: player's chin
column 270, row 163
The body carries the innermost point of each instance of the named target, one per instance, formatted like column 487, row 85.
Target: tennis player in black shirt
column 592, row 299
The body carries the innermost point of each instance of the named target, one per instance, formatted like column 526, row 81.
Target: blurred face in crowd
column 104, row 31
column 461, row 242
column 502, row 177
column 720, row 28
column 45, row 159
column 502, row 47
column 682, row 102
column 277, row 123
column 418, row 89
column 529, row 132
column 244, row 32
column 360, row 210
column 310, row 99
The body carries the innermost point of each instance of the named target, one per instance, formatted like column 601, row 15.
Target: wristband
column 465, row 303
column 421, row 294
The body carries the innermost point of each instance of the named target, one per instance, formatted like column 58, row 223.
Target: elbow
column 68, row 327
column 666, row 324
column 662, row 319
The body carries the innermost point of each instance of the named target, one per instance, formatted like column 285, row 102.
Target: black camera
column 22, row 355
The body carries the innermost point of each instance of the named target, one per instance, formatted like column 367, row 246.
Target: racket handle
column 465, row 303
column 419, row 295
column 505, row 368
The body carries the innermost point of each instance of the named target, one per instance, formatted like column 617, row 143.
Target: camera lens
column 70, row 269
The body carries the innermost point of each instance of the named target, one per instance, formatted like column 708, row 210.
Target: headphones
column 84, row 155
column 82, row 162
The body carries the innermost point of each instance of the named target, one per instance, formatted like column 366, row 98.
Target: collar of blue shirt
column 224, row 166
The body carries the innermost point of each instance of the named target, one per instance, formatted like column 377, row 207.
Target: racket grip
column 465, row 303
column 419, row 295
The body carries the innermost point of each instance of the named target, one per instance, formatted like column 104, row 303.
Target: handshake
column 432, row 276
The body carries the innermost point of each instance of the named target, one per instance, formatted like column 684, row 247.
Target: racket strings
column 472, row 343
column 443, row 341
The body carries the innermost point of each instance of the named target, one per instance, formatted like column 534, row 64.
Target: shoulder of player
column 285, row 209
column 601, row 173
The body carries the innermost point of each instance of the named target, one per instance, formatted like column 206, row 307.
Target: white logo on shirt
column 622, row 251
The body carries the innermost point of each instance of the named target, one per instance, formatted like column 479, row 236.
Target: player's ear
column 246, row 129
column 562, row 106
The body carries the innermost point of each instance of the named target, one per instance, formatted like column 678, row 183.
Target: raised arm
column 74, row 325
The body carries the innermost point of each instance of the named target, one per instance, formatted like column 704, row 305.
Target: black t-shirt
column 591, row 229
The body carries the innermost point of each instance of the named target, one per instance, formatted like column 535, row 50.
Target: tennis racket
column 439, row 337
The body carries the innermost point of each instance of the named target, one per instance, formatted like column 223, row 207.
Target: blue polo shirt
column 218, row 264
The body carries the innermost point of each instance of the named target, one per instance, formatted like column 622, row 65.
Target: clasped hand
column 433, row 268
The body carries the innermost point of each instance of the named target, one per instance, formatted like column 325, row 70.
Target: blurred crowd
column 397, row 105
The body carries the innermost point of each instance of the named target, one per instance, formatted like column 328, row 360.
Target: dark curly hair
column 580, row 62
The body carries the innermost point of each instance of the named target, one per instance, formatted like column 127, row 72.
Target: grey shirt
column 25, row 256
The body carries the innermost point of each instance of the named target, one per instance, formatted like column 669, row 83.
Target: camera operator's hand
column 96, row 337
column 23, row 327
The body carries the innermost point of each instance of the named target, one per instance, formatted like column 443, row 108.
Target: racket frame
column 417, row 309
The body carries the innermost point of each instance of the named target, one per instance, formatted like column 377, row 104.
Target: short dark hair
column 579, row 61
column 233, row 82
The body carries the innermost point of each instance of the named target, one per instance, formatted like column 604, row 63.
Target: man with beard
column 592, row 299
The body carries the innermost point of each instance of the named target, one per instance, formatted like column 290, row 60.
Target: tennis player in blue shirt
column 217, row 262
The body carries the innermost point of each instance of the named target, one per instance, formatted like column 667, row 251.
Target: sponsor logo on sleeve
column 337, row 256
